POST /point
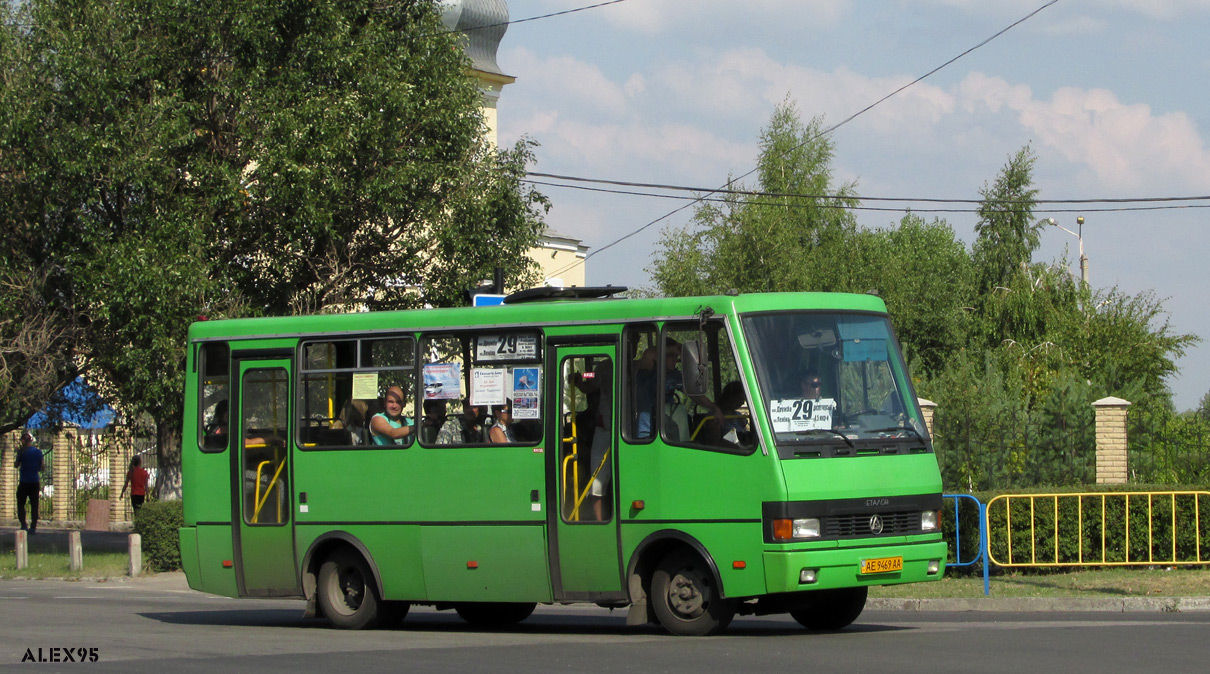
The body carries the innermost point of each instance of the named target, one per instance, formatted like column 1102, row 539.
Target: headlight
column 788, row 530
column 928, row 520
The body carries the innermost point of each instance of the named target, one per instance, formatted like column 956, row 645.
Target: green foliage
column 1007, row 232
column 1167, row 447
column 158, row 524
column 1013, row 352
column 786, row 239
column 162, row 162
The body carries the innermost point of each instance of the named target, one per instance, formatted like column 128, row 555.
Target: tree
column 1007, row 234
column 782, row 239
column 925, row 275
column 254, row 157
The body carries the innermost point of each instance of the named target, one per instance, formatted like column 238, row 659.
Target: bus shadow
column 536, row 625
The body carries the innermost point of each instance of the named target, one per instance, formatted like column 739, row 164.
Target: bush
column 158, row 523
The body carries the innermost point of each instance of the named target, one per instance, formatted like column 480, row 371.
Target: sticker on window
column 797, row 414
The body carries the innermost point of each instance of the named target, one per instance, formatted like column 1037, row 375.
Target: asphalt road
column 158, row 625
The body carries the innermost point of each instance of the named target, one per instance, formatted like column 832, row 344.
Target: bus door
column 585, row 556
column 264, row 536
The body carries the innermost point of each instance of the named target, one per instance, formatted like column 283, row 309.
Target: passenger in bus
column 502, row 432
column 472, row 423
column 215, row 432
column 735, row 423
column 674, row 387
column 599, row 390
column 810, row 385
column 438, row 427
column 390, row 427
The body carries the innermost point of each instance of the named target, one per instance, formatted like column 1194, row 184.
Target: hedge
column 158, row 523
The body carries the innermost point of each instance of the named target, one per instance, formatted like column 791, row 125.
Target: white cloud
column 1125, row 147
column 653, row 18
column 570, row 78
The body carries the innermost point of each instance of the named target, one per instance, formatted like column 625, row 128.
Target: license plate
column 882, row 565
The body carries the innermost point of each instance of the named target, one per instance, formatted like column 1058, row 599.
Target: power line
column 532, row 18
column 761, row 193
column 830, row 201
column 822, row 133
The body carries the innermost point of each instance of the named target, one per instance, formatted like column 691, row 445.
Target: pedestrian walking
column 29, row 484
column 136, row 480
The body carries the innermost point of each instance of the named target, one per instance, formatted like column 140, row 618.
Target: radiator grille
column 893, row 524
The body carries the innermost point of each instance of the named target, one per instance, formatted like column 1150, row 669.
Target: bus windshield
column 832, row 379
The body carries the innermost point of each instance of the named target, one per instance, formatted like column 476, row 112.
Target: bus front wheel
column 686, row 598
column 347, row 593
column 831, row 609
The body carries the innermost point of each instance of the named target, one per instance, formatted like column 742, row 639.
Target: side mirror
column 694, row 358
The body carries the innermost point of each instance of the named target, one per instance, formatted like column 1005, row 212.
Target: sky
column 1112, row 97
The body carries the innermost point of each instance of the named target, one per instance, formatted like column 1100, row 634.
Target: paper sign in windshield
column 797, row 414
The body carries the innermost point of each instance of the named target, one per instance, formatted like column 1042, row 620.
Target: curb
column 1046, row 604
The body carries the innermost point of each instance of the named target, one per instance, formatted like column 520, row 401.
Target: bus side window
column 214, row 392
column 637, row 341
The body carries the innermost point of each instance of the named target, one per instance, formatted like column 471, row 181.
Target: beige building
column 559, row 257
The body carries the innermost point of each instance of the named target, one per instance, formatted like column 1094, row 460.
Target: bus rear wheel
column 494, row 614
column 686, row 598
column 830, row 610
column 347, row 593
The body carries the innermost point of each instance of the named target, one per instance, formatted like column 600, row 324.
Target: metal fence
column 981, row 450
column 1167, row 448
column 91, row 465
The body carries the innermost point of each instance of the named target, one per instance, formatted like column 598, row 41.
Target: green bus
column 692, row 459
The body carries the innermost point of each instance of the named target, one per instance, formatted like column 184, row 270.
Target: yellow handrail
column 260, row 502
column 702, row 423
column 1083, row 526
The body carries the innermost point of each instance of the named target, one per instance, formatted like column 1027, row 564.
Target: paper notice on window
column 442, row 381
column 800, row 414
column 526, row 407
column 487, row 386
column 365, row 385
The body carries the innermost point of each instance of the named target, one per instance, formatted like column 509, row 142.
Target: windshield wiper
column 829, row 431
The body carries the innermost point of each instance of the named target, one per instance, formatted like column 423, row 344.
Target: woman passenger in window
column 390, row 427
column 502, row 432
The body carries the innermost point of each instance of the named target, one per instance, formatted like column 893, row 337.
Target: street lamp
column 1080, row 237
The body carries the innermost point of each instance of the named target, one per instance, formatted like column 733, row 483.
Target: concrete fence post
column 135, row 542
column 1112, row 463
column 75, row 552
column 21, row 547
column 927, row 408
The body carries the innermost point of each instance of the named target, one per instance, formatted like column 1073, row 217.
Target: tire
column 347, row 592
column 686, row 598
column 494, row 614
column 830, row 610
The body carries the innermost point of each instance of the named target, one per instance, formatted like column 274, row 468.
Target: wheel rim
column 348, row 591
column 687, row 594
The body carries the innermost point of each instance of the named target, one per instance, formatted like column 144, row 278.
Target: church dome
column 483, row 22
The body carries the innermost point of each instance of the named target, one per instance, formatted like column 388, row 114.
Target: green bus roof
column 552, row 312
